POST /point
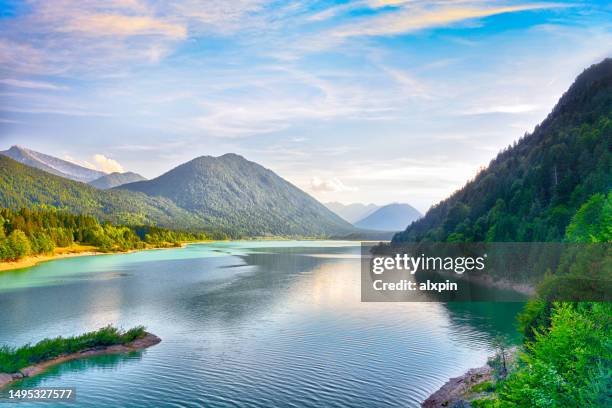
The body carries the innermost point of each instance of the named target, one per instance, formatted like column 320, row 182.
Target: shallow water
column 253, row 324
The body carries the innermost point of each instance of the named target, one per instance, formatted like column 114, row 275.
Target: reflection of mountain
column 258, row 284
column 487, row 318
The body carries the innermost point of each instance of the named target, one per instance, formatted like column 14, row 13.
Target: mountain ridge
column 116, row 179
column 236, row 193
column 52, row 164
column 390, row 217
column 532, row 189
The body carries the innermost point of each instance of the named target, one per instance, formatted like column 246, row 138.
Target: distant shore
column 75, row 250
column 58, row 253
column 139, row 344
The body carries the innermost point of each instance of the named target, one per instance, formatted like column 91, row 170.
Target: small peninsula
column 32, row 360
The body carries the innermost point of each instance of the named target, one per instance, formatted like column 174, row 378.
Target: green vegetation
column 234, row 194
column 567, row 360
column 225, row 197
column 551, row 186
column 531, row 190
column 27, row 187
column 14, row 359
column 32, row 232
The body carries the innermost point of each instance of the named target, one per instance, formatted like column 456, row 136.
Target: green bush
column 14, row 359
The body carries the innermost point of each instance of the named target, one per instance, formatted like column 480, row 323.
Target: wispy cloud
column 509, row 109
column 408, row 19
column 30, row 84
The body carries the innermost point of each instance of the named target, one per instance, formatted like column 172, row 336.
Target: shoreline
column 78, row 250
column 73, row 252
column 460, row 390
column 147, row 341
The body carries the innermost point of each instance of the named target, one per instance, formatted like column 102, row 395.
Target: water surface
column 253, row 324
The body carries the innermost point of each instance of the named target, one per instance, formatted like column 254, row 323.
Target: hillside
column 532, row 189
column 236, row 194
column 24, row 186
column 391, row 217
column 115, row 180
column 352, row 212
column 52, row 164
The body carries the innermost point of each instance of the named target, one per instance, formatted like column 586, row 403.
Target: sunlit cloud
column 102, row 25
column 414, row 19
column 100, row 163
column 329, row 185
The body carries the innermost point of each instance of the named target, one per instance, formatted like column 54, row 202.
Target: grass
column 486, row 386
column 14, row 359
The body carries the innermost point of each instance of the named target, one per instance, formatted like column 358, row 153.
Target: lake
column 250, row 324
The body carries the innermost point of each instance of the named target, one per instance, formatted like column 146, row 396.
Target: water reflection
column 249, row 324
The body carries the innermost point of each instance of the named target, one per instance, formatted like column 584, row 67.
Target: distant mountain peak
column 242, row 195
column 116, row 179
column 391, row 217
column 52, row 164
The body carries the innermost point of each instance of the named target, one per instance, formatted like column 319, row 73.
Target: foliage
column 242, row 197
column 14, row 359
column 530, row 191
column 26, row 187
column 568, row 364
column 32, row 232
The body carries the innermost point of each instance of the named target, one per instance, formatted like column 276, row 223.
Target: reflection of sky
column 371, row 100
column 278, row 324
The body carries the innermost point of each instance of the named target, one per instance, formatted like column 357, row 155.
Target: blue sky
column 364, row 101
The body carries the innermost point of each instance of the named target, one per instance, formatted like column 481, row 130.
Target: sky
column 353, row 101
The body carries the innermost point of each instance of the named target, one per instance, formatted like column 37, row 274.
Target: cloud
column 329, row 185
column 30, row 84
column 509, row 109
column 100, row 162
column 106, row 164
column 102, row 25
column 410, row 19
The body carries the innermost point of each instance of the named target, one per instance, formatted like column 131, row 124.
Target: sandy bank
column 58, row 253
column 147, row 341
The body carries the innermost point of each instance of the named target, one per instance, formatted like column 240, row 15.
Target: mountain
column 25, row 186
column 352, row 212
column 115, row 180
column 236, row 194
column 392, row 217
column 52, row 164
column 533, row 189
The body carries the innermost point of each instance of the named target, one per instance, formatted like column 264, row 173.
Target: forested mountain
column 391, row 217
column 532, row 189
column 52, row 164
column 116, row 179
column 352, row 212
column 225, row 196
column 22, row 186
column 239, row 195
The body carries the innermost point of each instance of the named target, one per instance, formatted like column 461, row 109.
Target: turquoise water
column 250, row 324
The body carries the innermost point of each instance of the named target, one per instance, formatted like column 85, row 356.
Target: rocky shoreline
column 459, row 391
column 148, row 340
